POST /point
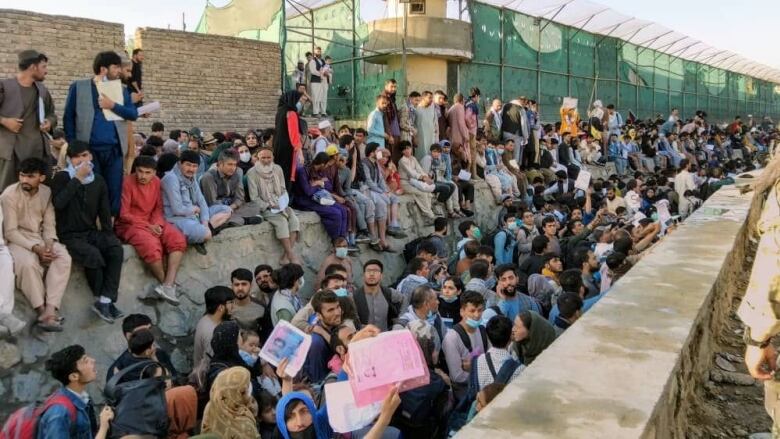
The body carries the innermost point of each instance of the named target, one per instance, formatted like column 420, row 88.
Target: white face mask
column 245, row 156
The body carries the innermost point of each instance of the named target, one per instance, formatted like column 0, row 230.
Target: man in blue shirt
column 84, row 120
column 326, row 305
column 71, row 415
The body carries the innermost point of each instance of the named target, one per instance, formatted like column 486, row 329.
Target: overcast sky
column 748, row 27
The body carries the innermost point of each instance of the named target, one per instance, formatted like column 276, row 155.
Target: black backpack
column 139, row 405
column 410, row 248
column 464, row 337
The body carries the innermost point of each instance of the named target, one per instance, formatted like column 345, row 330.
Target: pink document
column 378, row 363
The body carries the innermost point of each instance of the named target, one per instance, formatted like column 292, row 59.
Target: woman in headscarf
column 288, row 138
column 231, row 410
column 224, row 344
column 531, row 335
column 182, row 404
column 311, row 180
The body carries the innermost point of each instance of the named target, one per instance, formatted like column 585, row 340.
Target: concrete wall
column 208, row 81
column 212, row 82
column 628, row 368
column 70, row 44
column 23, row 378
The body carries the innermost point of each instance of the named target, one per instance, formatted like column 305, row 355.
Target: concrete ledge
column 626, row 369
column 23, row 378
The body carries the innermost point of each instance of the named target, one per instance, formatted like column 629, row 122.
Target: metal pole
column 539, row 68
column 501, row 55
column 403, row 48
column 352, row 110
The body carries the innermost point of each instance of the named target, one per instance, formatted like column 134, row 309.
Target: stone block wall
column 213, row 82
column 23, row 378
column 70, row 43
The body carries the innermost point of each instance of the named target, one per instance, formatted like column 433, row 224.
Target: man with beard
column 326, row 305
column 22, row 135
column 84, row 120
column 219, row 304
column 267, row 288
column 392, row 123
column 510, row 301
column 377, row 305
column 29, row 229
column 247, row 311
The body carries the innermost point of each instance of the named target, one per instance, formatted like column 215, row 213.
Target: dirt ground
column 724, row 408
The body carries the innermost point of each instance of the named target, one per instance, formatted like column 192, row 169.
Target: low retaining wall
column 628, row 368
column 23, row 378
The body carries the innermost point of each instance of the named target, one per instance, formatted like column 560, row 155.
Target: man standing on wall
column 392, row 125
column 23, row 100
column 84, row 120
column 318, row 84
column 136, row 81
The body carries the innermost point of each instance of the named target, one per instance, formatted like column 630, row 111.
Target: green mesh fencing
column 519, row 55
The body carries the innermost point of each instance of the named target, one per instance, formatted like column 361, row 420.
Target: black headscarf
column 283, row 148
column 224, row 344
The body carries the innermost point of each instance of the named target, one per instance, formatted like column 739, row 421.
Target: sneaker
column 200, row 248
column 396, row 232
column 467, row 212
column 352, row 249
column 13, row 324
column 362, row 238
column 115, row 312
column 50, row 325
column 103, row 310
column 167, row 293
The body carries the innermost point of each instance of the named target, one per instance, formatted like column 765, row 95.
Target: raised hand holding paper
column 373, row 372
column 583, row 180
column 287, row 341
column 343, row 412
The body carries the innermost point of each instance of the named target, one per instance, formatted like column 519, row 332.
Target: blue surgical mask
column 341, row 292
column 513, row 226
column 500, row 151
column 449, row 299
column 431, row 317
column 471, row 323
column 302, row 283
column 341, row 252
column 248, row 358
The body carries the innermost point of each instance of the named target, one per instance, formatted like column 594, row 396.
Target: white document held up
column 149, row 108
column 287, row 341
column 343, row 413
column 583, row 180
column 569, row 102
column 464, row 175
column 41, row 111
column 113, row 91
column 284, row 201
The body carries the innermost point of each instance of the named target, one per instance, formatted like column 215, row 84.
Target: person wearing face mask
column 336, row 282
column 470, row 232
column 340, row 256
column 449, row 301
column 465, row 342
column 245, row 160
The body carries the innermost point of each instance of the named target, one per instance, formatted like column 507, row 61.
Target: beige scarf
column 271, row 183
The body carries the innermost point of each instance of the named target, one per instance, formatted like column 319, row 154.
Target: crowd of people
column 481, row 310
